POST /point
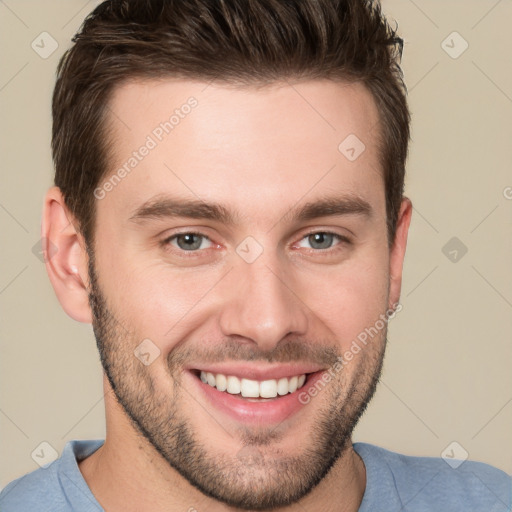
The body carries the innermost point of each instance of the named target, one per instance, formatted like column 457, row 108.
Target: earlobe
column 65, row 257
column 398, row 251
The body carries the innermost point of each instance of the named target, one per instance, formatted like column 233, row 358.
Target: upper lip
column 253, row 372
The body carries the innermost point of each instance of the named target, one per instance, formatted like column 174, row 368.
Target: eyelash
column 343, row 240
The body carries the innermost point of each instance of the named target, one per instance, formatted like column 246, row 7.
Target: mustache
column 293, row 350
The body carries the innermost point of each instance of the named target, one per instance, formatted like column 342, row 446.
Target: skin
column 259, row 152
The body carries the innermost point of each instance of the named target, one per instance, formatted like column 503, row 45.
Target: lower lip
column 268, row 411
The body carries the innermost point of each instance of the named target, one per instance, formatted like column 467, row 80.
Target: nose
column 262, row 304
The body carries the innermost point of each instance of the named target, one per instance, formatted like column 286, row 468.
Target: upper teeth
column 253, row 388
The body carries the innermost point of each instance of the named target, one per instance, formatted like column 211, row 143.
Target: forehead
column 254, row 146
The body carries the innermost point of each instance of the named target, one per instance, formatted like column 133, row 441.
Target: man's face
column 265, row 290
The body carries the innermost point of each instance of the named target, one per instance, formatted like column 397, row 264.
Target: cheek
column 154, row 301
column 349, row 299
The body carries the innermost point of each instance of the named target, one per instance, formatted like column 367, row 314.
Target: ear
column 398, row 252
column 65, row 257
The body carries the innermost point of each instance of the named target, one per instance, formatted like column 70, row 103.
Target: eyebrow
column 163, row 207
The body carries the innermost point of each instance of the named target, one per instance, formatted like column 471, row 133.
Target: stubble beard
column 255, row 478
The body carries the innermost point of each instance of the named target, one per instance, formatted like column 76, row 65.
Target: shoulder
column 53, row 486
column 434, row 482
column 36, row 490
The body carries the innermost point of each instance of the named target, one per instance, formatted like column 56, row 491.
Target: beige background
column 447, row 374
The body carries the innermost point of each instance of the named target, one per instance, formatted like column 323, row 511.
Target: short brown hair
column 247, row 42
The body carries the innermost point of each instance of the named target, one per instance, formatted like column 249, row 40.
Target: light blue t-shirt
column 394, row 483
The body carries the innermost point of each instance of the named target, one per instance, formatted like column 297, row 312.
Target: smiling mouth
column 254, row 390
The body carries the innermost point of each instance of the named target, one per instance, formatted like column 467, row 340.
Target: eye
column 317, row 241
column 322, row 240
column 190, row 242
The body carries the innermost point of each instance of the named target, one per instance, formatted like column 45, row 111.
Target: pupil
column 322, row 239
column 187, row 241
